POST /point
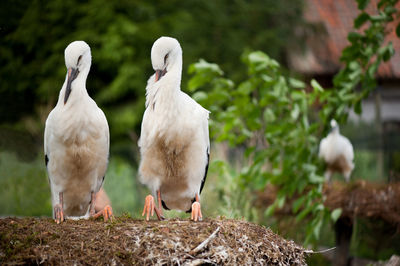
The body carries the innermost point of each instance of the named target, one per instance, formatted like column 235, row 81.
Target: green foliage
column 273, row 117
column 362, row 59
column 269, row 114
column 24, row 185
column 25, row 189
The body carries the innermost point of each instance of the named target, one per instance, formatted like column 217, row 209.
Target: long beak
column 72, row 74
column 160, row 73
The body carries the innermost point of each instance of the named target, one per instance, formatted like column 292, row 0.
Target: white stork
column 76, row 142
column 337, row 151
column 174, row 141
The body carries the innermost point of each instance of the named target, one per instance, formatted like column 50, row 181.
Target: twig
column 198, row 262
column 204, row 243
column 321, row 251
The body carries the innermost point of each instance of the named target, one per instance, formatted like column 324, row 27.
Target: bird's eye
column 165, row 58
column 79, row 59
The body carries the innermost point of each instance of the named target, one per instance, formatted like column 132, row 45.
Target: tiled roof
column 323, row 49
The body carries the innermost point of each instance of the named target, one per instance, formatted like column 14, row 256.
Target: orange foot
column 58, row 213
column 196, row 212
column 150, row 207
column 107, row 213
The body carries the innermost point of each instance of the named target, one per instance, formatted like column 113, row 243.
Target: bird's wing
column 150, row 89
column 198, row 115
column 207, row 140
column 47, row 135
column 347, row 148
column 143, row 131
column 322, row 147
column 104, row 142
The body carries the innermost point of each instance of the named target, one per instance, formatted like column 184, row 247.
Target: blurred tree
column 35, row 33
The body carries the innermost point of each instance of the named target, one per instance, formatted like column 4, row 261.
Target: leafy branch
column 273, row 116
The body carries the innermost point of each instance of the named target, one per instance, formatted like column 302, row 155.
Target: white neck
column 336, row 131
column 78, row 89
column 163, row 94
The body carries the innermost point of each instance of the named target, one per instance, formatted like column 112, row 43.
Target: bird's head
column 334, row 125
column 77, row 59
column 166, row 51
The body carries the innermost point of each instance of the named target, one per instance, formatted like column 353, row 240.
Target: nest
column 130, row 241
column 364, row 199
column 357, row 199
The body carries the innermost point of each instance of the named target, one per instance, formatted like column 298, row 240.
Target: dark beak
column 72, row 74
column 160, row 73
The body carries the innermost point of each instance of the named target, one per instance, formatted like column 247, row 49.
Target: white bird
column 337, row 151
column 174, row 141
column 76, row 142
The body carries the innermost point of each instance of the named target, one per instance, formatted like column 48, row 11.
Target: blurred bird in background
column 76, row 143
column 174, row 141
column 337, row 152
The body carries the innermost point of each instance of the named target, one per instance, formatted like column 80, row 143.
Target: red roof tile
column 323, row 49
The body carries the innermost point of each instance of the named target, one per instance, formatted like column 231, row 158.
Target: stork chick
column 174, row 141
column 76, row 142
column 337, row 151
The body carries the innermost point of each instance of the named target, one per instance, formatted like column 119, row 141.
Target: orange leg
column 196, row 210
column 58, row 210
column 150, row 207
column 159, row 203
column 107, row 212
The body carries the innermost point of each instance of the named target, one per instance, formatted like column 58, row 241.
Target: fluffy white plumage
column 76, row 139
column 337, row 151
column 174, row 141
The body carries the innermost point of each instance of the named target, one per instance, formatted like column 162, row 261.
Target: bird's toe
column 58, row 214
column 148, row 208
column 108, row 213
column 196, row 212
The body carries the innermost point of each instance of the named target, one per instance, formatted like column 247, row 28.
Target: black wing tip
column 206, row 171
column 46, row 159
column 164, row 205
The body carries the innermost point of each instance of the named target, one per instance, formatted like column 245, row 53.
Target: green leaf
column 362, row 4
column 335, row 214
column 309, row 167
column 315, row 179
column 203, row 65
column 245, row 88
column 398, row 30
column 316, row 86
column 298, row 203
column 199, row 96
column 317, row 228
column 281, row 201
column 360, row 20
column 295, row 83
column 295, row 112
column 358, row 107
column 353, row 37
column 270, row 210
column 269, row 115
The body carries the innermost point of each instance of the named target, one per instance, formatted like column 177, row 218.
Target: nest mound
column 365, row 199
column 130, row 241
column 357, row 199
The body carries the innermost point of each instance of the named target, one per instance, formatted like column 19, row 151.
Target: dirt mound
column 130, row 241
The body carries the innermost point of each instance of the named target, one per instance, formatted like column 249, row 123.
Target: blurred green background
column 33, row 36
